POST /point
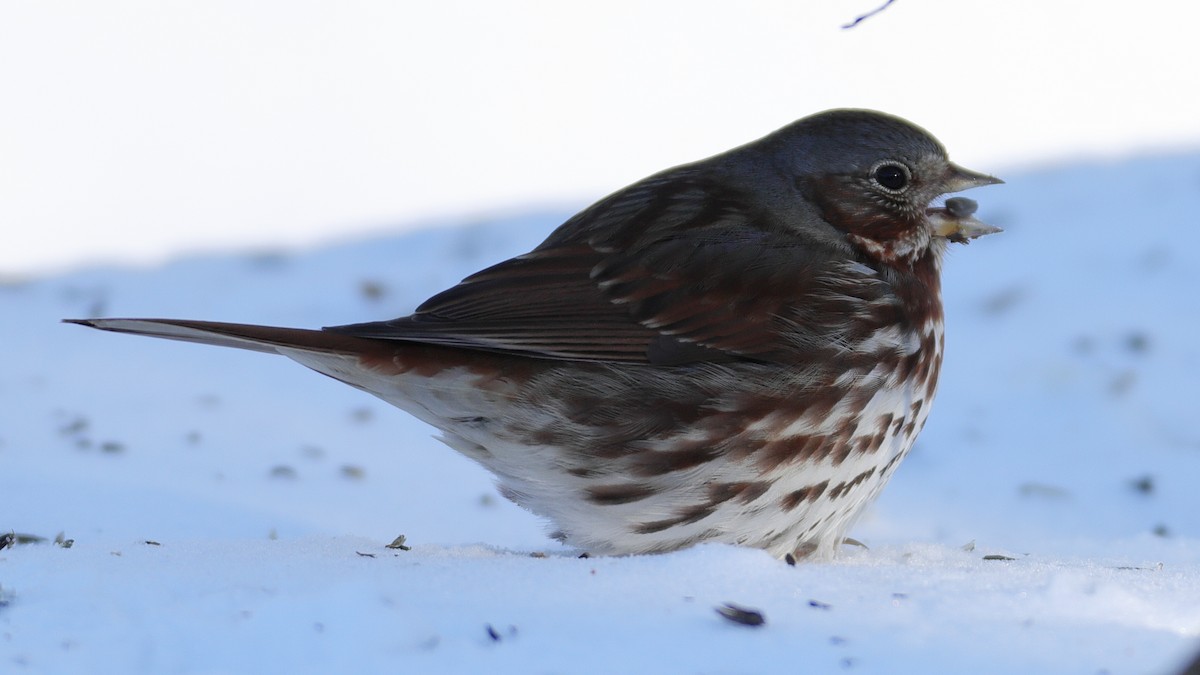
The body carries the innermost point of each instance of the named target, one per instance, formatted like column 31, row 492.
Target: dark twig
column 868, row 15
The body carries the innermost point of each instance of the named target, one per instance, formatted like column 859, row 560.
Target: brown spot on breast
column 865, row 445
column 730, row 423
column 744, row 492
column 620, row 493
column 844, row 488
column 883, row 422
column 601, row 448
column 927, row 359
column 659, row 462
column 658, row 417
column 934, row 374
column 684, row 517
column 810, row 494
column 857, row 397
column 916, row 406
column 906, row 364
column 840, row 451
column 780, row 451
column 820, row 404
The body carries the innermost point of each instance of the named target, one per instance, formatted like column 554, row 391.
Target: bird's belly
column 784, row 477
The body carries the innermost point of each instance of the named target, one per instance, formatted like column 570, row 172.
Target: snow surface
column 230, row 511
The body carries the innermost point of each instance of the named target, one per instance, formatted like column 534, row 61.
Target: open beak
column 956, row 220
column 959, row 230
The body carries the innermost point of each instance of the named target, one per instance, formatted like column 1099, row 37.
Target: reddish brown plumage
column 740, row 349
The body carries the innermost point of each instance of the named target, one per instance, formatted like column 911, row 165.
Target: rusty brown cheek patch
column 842, row 203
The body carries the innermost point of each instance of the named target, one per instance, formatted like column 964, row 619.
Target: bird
column 741, row 349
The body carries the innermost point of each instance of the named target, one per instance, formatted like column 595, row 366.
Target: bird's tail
column 268, row 339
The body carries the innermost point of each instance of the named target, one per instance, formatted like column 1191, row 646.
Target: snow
column 230, row 512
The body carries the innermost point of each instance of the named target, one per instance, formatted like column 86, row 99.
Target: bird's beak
column 956, row 220
column 959, row 179
column 958, row 229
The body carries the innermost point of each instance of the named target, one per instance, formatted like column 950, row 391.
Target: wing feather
column 675, row 269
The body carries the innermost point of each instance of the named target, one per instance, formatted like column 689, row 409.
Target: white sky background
column 133, row 131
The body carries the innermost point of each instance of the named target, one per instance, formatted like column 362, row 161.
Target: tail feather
column 268, row 339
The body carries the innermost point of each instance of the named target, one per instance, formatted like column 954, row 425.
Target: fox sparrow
column 740, row 350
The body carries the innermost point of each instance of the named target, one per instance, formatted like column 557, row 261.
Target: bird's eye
column 891, row 176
